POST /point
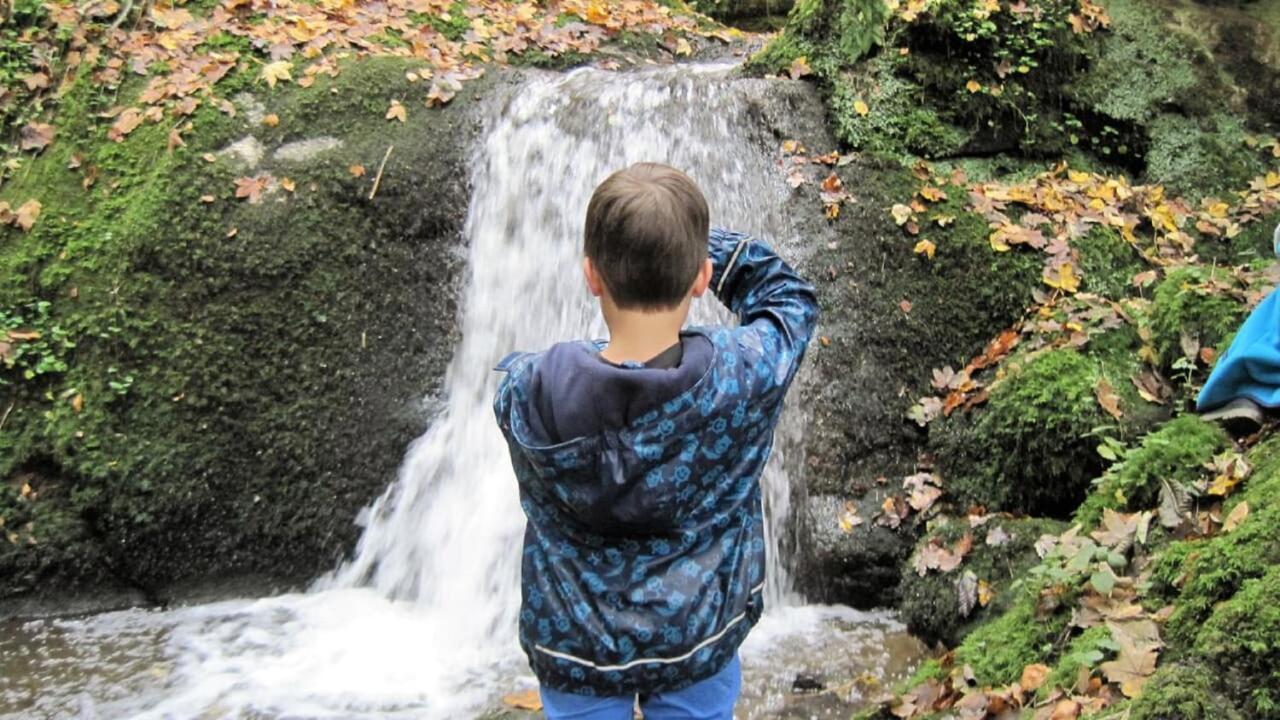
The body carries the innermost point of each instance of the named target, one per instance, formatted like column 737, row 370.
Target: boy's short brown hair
column 646, row 234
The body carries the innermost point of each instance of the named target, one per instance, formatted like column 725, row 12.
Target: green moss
column 1198, row 156
column 1000, row 649
column 1107, row 262
column 1182, row 304
column 1241, row 640
column 1174, row 453
column 1198, row 574
column 1030, row 448
column 1182, row 692
column 930, row 604
column 896, row 120
column 220, row 371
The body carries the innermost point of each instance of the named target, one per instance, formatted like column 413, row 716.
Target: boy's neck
column 641, row 336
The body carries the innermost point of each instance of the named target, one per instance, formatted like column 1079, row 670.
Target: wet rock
column 806, row 683
column 860, row 567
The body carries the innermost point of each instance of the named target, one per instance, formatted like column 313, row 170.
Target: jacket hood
column 578, row 412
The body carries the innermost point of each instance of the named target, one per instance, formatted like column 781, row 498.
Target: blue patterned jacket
column 643, row 564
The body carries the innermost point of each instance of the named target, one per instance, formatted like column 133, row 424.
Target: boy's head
column 646, row 238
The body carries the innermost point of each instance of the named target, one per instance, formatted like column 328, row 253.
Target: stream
column 421, row 622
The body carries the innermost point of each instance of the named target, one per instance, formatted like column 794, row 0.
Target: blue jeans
column 710, row 699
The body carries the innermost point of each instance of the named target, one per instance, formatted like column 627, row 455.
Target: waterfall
column 447, row 534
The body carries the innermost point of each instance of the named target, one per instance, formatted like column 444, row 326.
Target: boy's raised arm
column 765, row 293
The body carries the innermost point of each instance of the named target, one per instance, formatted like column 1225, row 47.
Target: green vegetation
column 1184, row 305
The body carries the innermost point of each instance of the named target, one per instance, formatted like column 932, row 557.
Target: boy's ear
column 703, row 280
column 594, row 283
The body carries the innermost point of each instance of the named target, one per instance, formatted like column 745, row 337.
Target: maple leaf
column 251, row 188
column 274, row 72
column 926, row 248
column 36, row 136
column 396, row 111
column 1063, row 277
column 1117, row 531
column 799, row 68
column 1132, row 667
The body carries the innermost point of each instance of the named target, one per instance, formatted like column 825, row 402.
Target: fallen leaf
column 1033, row 676
column 973, row 86
column 1131, row 669
column 271, row 120
column 288, row 185
column 901, row 213
column 1237, row 516
column 126, row 122
column 905, row 305
column 356, row 170
column 860, row 107
column 396, row 111
column 206, row 199
column 27, row 214
column 35, row 136
column 1108, row 398
column 799, row 68
column 926, row 248
column 276, row 71
column 77, row 403
column 529, row 700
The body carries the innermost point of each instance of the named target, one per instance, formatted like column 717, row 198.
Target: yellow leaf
column 77, row 402
column 396, row 111
column 833, row 211
column 799, row 68
column 901, row 213
column 860, row 107
column 926, row 248
column 277, row 71
column 27, row 214
column 271, row 120
column 683, row 48
column 986, row 593
column 1076, row 176
column 1236, row 517
column 527, row 700
column 356, row 170
column 1064, row 278
column 973, row 86
column 288, row 184
column 1219, row 209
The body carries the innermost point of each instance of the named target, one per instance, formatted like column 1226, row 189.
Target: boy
column 639, row 460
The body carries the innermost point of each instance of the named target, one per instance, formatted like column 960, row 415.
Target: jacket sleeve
column 772, row 302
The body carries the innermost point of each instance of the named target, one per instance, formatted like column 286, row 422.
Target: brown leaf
column 27, row 214
column 251, row 188
column 36, row 135
column 126, row 122
column 1108, row 398
column 1117, row 529
column 77, row 403
column 356, row 170
column 1033, row 676
column 396, row 111
column 175, row 140
column 1065, row 709
column 1237, row 516
column 271, row 120
column 1132, row 667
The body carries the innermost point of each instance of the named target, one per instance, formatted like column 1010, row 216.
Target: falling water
column 422, row 621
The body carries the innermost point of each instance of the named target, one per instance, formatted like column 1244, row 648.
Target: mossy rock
column 1198, row 574
column 1032, row 447
column 874, row 349
column 249, row 374
column 1183, row 305
column 1241, row 641
column 1182, row 692
column 930, row 604
column 999, row 649
column 1175, row 453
